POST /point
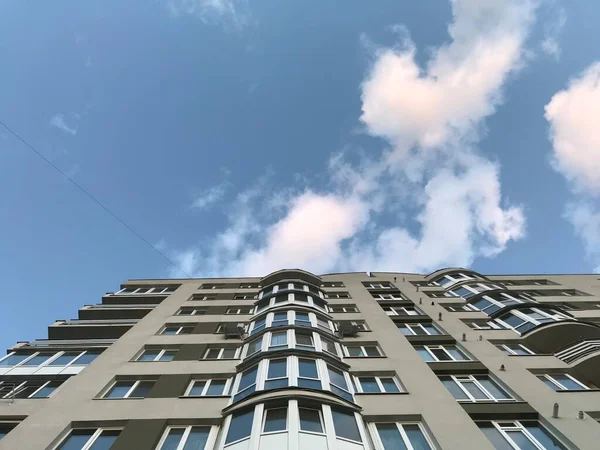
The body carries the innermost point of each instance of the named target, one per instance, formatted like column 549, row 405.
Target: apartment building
column 451, row 360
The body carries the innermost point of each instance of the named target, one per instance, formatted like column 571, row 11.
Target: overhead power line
column 94, row 199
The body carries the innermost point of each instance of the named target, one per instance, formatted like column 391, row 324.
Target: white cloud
column 585, row 217
column 209, row 196
column 233, row 12
column 59, row 122
column 552, row 29
column 430, row 200
column 574, row 117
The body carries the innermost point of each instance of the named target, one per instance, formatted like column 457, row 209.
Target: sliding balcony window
column 448, row 280
column 475, row 388
column 523, row 320
column 400, row 436
column 562, row 382
column 157, row 355
column 401, row 311
column 177, row 329
column 90, row 439
column 191, row 312
column 515, row 349
column 377, row 385
column 441, row 353
column 364, row 351
column 418, row 329
column 519, row 435
column 289, row 318
column 184, row 438
column 222, row 353
column 208, row 388
column 129, row 389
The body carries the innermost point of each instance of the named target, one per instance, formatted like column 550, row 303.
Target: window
column 401, row 436
column 280, row 319
column 247, row 383
column 221, row 353
column 515, row 349
column 249, row 286
column 308, row 374
column 49, row 359
column 364, row 351
column 329, row 346
column 278, row 340
column 240, row 310
column 401, row 311
column 302, row 320
column 258, row 325
column 343, row 309
column 388, row 296
column 184, row 438
column 371, row 385
column 304, row 341
column 178, row 329
column 562, row 382
column 146, row 290
column 244, row 297
column 28, row 388
column 275, row 420
column 345, row 425
column 361, row 325
column 333, row 284
column 382, row 285
column 523, row 320
column 14, row 359
column 254, row 347
column 5, row 427
column 157, row 355
column 337, row 383
column 89, row 439
column 441, row 353
column 311, row 420
column 337, row 295
column 277, row 374
column 191, row 312
column 519, row 435
column 474, row 388
column 418, row 329
column 206, row 388
column 240, row 426
column 129, row 389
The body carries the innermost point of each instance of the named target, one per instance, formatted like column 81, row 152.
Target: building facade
column 350, row 361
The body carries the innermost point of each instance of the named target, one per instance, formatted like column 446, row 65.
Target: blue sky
column 239, row 137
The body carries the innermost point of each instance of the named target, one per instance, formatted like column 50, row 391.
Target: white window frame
column 459, row 379
column 321, row 419
column 390, row 296
column 208, row 382
column 221, row 351
column 194, row 311
column 264, row 421
column 161, row 353
column 151, row 290
column 506, row 349
column 475, row 288
column 556, row 317
column 244, row 297
column 179, row 329
column 517, row 426
column 453, row 278
column 551, row 379
column 241, row 310
column 410, row 326
column 43, row 386
column 212, row 435
column 48, row 361
column 339, row 295
column 22, row 385
column 128, row 393
column 409, row 310
column 316, row 321
column 344, row 309
column 382, row 285
column 431, row 347
column 92, row 438
column 362, row 349
column 400, row 425
column 359, row 388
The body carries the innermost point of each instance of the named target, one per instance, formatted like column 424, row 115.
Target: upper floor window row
column 418, row 329
column 467, row 291
column 292, row 338
column 333, row 284
column 562, row 382
column 475, row 388
column 532, row 282
column 519, row 435
column 246, row 285
column 491, row 303
column 297, row 318
column 441, row 353
column 291, row 286
column 394, row 295
column 519, row 320
column 337, row 295
column 554, row 293
column 456, row 277
column 296, row 298
column 402, row 310
column 146, row 290
column 49, row 359
column 90, row 439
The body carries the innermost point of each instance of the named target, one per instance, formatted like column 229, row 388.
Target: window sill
column 204, row 396
column 363, row 357
column 578, row 390
column 381, row 393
